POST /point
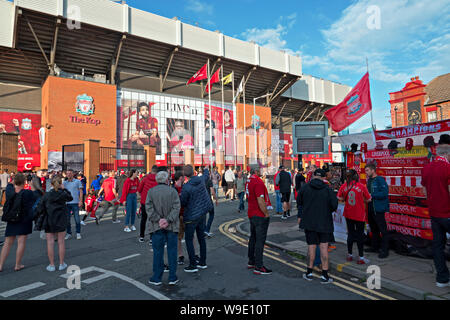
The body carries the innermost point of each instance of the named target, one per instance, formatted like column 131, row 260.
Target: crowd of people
column 178, row 206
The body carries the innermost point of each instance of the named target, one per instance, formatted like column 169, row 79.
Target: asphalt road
column 115, row 266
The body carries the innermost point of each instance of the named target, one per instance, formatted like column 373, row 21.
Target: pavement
column 408, row 276
column 115, row 266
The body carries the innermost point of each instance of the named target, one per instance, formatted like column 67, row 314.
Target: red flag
column 356, row 104
column 215, row 78
column 199, row 75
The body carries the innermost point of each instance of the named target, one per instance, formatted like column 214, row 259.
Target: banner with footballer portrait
column 26, row 125
column 173, row 125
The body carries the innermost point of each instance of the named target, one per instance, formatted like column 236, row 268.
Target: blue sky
column 407, row 38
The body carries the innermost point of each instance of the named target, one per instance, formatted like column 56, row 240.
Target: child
column 91, row 206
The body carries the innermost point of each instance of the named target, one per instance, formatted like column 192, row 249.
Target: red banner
column 424, row 234
column 417, row 202
column 411, row 191
column 402, row 162
column 408, row 221
column 399, row 172
column 355, row 105
column 413, row 130
column 27, row 126
column 409, row 210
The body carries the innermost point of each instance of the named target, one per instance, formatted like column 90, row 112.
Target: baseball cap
column 281, row 167
column 122, row 171
column 320, row 173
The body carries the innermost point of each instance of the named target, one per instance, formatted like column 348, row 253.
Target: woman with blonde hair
column 54, row 220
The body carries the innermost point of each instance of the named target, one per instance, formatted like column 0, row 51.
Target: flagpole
column 234, row 122
column 208, row 86
column 371, row 110
column 245, row 131
column 223, row 116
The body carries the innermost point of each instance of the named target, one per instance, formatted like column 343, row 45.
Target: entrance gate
column 123, row 159
column 73, row 157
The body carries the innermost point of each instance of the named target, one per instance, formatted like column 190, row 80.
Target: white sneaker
column 62, row 266
column 82, row 213
column 68, row 236
column 133, row 228
column 442, row 285
column 51, row 268
column 78, row 236
column 116, row 221
column 82, row 223
column 127, row 229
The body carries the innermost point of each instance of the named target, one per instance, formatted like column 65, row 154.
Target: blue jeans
column 241, row 200
column 73, row 208
column 279, row 206
column 216, row 190
column 189, row 229
column 159, row 239
column 131, row 209
column 210, row 220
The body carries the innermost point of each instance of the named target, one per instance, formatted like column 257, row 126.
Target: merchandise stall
column 400, row 154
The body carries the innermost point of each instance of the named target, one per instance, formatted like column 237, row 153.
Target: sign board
column 310, row 137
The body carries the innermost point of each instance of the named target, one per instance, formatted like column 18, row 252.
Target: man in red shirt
column 111, row 198
column 258, row 215
column 436, row 180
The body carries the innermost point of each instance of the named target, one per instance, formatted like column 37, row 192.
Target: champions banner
column 417, row 133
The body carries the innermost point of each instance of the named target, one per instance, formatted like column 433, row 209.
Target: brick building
column 420, row 103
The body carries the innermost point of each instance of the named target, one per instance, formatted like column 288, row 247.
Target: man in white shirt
column 229, row 178
column 4, row 178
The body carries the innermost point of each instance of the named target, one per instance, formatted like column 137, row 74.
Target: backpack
column 13, row 209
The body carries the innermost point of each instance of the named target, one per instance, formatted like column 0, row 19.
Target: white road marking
column 15, row 291
column 97, row 278
column 107, row 273
column 50, row 294
column 127, row 257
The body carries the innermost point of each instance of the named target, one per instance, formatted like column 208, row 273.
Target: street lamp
column 254, row 116
column 395, row 109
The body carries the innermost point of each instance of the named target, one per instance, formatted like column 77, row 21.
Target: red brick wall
column 59, row 96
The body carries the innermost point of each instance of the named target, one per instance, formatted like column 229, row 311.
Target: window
column 432, row 116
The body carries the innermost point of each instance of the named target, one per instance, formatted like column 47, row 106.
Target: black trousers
column 355, row 231
column 440, row 226
column 144, row 218
column 258, row 234
column 377, row 223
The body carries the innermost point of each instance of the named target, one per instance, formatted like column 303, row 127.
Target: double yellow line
column 339, row 282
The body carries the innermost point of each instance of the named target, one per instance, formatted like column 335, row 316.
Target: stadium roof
column 114, row 42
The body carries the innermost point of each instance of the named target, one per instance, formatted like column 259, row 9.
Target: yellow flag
column 227, row 79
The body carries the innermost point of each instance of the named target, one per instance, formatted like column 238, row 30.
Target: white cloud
column 198, row 6
column 272, row 38
column 411, row 32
